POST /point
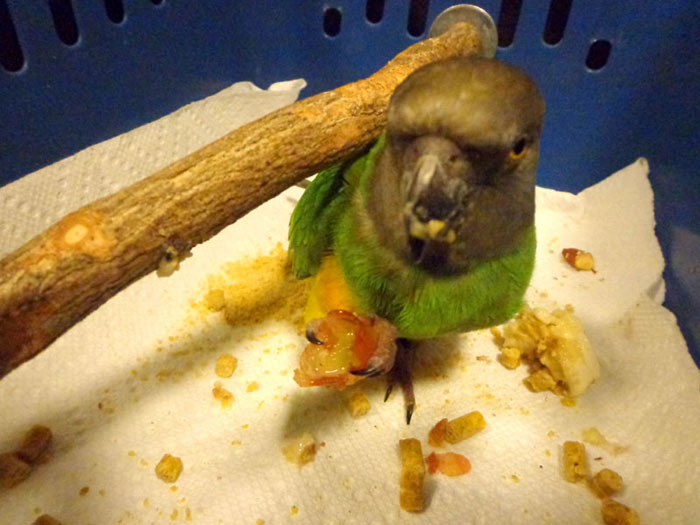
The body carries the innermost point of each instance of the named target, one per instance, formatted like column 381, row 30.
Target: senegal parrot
column 430, row 232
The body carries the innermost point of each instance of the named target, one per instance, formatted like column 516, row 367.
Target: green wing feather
column 312, row 222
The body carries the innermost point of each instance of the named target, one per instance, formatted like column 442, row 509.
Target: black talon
column 311, row 337
column 409, row 413
column 389, row 388
column 366, row 372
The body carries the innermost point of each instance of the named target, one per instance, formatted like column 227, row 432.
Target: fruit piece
column 449, row 464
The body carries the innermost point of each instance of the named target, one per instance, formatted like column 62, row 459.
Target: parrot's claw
column 367, row 372
column 401, row 373
column 311, row 337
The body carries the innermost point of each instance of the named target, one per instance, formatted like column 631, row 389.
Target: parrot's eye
column 519, row 149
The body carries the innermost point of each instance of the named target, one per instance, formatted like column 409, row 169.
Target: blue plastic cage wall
column 621, row 79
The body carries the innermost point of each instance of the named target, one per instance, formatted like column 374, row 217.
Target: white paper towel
column 133, row 381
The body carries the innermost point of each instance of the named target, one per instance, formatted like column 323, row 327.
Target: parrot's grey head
column 458, row 170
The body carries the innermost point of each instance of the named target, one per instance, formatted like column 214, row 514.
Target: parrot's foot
column 401, row 374
column 344, row 347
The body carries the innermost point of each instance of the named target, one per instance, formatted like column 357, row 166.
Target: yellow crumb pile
column 255, row 289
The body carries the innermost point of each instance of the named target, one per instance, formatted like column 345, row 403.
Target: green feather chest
column 333, row 217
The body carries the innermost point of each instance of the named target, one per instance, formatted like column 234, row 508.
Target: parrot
column 428, row 232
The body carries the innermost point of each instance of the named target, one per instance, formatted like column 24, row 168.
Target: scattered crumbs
column 173, row 488
column 261, row 404
column 132, row 372
column 244, row 426
column 322, row 444
column 183, row 499
column 84, row 491
column 222, row 395
column 515, row 478
column 484, row 358
column 37, row 510
column 293, row 510
column 261, row 288
column 266, row 351
column 252, row 386
column 599, row 458
column 551, row 434
column 286, row 397
column 236, row 442
column 226, row 365
column 214, row 300
column 568, row 401
column 259, row 522
column 547, row 453
column 131, row 453
column 188, row 514
column 284, row 372
column 524, row 411
column 173, row 516
column 143, row 462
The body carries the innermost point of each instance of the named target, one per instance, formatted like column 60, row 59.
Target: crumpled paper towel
column 134, row 380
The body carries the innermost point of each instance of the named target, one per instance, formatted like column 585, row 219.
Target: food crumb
column 358, row 404
column 36, row 444
column 226, row 365
column 464, row 427
column 236, row 442
column 483, row 358
column 188, row 514
column 173, row 516
column 169, row 468
column 568, row 401
column 515, row 478
column 84, row 491
column 131, row 453
column 606, row 483
column 46, row 519
column 615, row 513
column 579, row 259
column 12, row 470
column 411, row 496
column 294, row 510
column 252, row 386
column 173, row 488
column 449, row 464
column 259, row 522
column 300, row 450
column 575, row 466
column 222, row 395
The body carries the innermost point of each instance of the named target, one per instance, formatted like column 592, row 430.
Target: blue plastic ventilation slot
column 621, row 80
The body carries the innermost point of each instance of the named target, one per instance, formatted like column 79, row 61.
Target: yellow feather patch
column 328, row 291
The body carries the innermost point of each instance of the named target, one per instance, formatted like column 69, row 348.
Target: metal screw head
column 473, row 15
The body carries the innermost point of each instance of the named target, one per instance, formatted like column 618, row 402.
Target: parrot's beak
column 433, row 198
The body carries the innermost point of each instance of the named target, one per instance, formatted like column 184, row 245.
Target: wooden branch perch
column 63, row 274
